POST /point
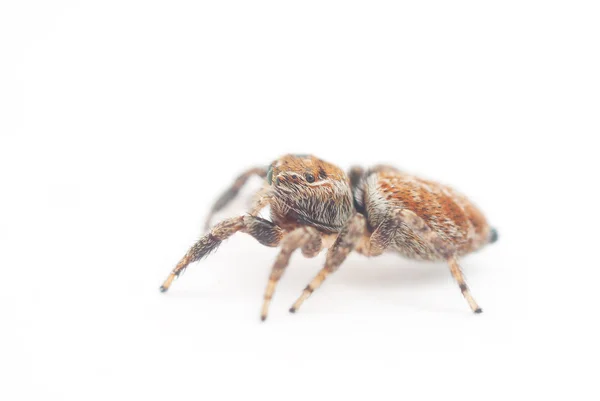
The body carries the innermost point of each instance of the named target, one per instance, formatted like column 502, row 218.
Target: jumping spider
column 315, row 205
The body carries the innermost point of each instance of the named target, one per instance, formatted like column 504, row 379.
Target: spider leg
column 232, row 192
column 306, row 238
column 435, row 242
column 262, row 230
column 347, row 239
column 460, row 279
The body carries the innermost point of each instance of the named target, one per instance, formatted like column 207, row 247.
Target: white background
column 122, row 121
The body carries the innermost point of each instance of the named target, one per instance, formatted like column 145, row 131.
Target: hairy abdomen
column 450, row 214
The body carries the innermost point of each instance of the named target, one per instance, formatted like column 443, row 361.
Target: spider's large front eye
column 309, row 177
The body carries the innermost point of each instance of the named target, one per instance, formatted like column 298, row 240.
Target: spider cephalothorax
column 309, row 191
column 315, row 205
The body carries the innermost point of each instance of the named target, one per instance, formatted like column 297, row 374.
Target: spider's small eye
column 309, row 177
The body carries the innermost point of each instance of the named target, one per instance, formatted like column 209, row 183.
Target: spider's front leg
column 262, row 230
column 233, row 191
column 347, row 239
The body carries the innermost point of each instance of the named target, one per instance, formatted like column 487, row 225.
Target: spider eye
column 309, row 177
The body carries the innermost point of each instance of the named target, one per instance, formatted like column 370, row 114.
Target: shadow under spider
column 388, row 272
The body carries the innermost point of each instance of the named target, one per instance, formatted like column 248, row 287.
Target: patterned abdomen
column 450, row 214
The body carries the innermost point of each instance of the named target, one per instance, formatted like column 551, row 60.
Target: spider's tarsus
column 478, row 310
column 263, row 318
column 163, row 288
column 292, row 310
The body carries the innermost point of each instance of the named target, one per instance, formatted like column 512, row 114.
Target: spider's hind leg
column 443, row 249
column 460, row 279
column 262, row 230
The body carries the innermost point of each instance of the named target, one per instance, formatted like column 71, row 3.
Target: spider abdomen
column 454, row 218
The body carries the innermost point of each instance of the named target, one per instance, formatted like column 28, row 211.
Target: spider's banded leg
column 306, row 238
column 442, row 248
column 262, row 230
column 344, row 244
column 460, row 279
column 232, row 191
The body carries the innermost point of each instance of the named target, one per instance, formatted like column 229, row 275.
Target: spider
column 316, row 205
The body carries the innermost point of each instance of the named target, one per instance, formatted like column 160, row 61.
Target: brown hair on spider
column 315, row 205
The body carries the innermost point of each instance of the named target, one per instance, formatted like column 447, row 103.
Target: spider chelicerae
column 316, row 205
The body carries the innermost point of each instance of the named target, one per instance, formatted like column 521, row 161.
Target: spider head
column 310, row 191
